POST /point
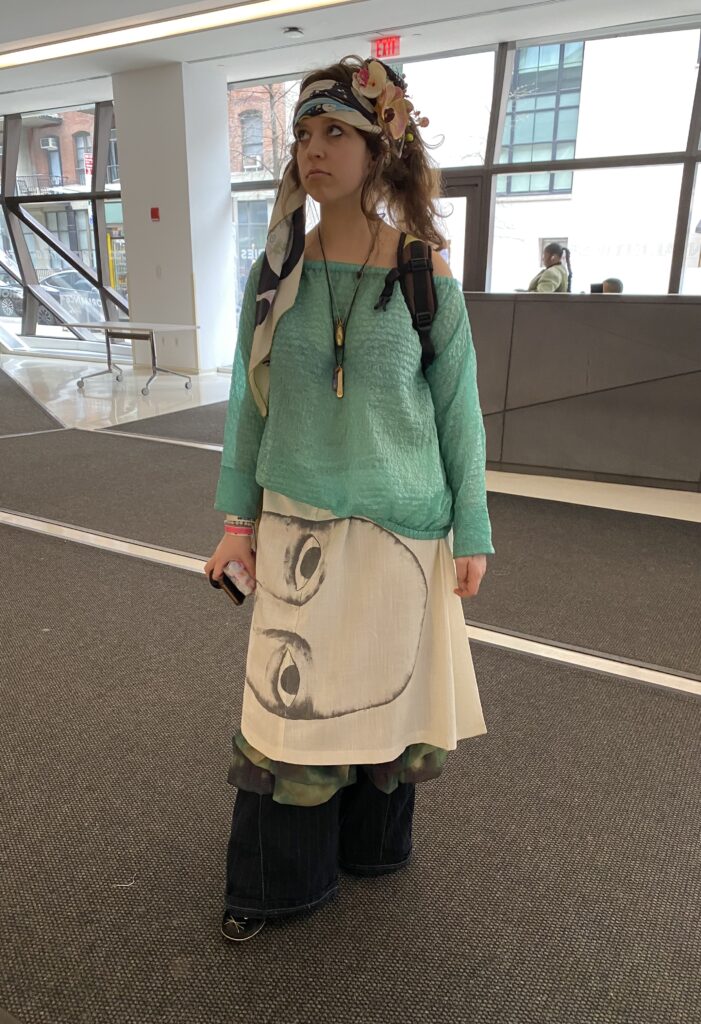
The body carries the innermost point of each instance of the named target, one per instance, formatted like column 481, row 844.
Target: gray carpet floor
column 625, row 584
column 150, row 492
column 205, row 423
column 557, row 868
column 19, row 413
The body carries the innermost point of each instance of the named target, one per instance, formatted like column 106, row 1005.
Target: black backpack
column 414, row 271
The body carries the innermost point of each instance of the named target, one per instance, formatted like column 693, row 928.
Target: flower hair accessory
column 387, row 92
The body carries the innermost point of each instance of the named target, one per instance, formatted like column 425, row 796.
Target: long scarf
column 281, row 269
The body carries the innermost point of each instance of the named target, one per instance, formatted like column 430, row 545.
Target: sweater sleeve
column 549, row 280
column 452, row 378
column 238, row 493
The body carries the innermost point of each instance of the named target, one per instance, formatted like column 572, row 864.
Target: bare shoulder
column 387, row 242
column 387, row 250
column 440, row 267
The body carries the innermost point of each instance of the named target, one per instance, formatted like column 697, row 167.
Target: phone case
column 229, row 588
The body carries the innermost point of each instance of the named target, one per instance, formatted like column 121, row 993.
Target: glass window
column 11, row 298
column 523, row 129
column 51, row 144
column 549, row 56
column 69, row 223
column 620, row 222
column 637, row 93
column 438, row 88
column 691, row 273
column 112, row 159
column 62, row 282
column 83, row 157
column 543, row 126
column 55, row 150
column 567, row 124
column 453, row 213
column 260, row 129
column 116, row 247
column 251, row 128
column 251, row 212
column 457, row 133
column 574, row 52
column 6, row 251
column 546, row 79
column 569, row 99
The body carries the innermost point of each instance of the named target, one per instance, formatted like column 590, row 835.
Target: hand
column 232, row 548
column 469, row 572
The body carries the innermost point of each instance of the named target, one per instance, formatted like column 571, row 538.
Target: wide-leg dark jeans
column 283, row 859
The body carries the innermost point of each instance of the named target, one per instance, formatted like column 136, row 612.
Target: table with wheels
column 129, row 329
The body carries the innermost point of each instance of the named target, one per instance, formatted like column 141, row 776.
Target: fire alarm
column 155, row 213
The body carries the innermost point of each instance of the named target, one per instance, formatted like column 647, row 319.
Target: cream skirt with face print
column 358, row 645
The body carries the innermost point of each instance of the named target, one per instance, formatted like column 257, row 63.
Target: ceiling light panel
column 223, row 18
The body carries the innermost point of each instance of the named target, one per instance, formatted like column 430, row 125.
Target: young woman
column 352, row 464
column 554, row 277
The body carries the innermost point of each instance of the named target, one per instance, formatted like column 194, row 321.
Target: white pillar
column 173, row 142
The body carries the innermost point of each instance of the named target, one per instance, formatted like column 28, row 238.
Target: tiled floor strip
column 162, row 440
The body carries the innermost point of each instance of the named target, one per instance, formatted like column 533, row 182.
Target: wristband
column 238, row 531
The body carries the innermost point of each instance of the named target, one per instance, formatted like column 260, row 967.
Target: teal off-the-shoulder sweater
column 403, row 449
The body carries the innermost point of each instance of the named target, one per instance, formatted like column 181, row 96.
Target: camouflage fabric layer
column 309, row 785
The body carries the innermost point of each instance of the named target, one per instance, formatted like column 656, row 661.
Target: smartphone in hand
column 236, row 582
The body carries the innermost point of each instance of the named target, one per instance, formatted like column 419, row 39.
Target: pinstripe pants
column 284, row 859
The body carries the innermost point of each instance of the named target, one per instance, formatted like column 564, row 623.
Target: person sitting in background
column 612, row 286
column 554, row 277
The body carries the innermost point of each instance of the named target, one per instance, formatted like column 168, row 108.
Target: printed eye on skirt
column 358, row 650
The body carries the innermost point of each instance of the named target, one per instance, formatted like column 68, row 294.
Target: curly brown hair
column 407, row 185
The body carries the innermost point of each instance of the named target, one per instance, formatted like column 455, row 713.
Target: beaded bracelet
column 233, row 520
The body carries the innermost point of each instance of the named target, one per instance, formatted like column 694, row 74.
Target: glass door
column 461, row 209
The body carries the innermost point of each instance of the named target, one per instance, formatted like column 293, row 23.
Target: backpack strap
column 415, row 262
column 414, row 271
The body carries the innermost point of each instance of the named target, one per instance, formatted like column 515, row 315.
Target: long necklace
column 340, row 324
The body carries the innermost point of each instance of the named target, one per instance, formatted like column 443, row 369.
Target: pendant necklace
column 340, row 324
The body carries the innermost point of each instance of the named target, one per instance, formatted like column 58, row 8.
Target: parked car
column 11, row 296
column 80, row 298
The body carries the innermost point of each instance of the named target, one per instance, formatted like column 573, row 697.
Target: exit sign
column 387, row 46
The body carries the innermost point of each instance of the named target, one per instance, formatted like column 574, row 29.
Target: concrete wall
column 600, row 386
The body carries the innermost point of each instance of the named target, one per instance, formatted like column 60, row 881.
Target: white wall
column 173, row 154
column 206, row 112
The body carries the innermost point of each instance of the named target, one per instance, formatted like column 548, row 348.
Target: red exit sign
column 387, row 46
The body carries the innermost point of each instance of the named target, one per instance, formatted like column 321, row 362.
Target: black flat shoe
column 239, row 929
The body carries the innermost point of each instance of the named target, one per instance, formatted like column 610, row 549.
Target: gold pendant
column 339, row 382
column 340, row 333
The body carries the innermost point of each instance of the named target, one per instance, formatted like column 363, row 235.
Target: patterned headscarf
column 284, row 250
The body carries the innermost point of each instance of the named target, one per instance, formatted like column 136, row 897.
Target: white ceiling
column 261, row 50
